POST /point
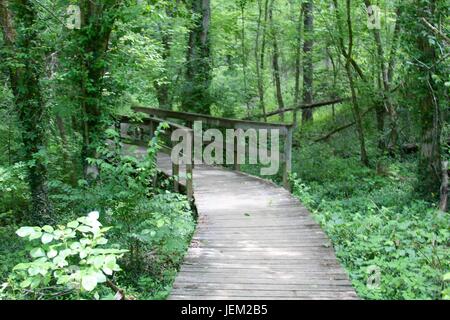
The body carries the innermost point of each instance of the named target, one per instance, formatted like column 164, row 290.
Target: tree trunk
column 429, row 165
column 298, row 64
column 196, row 96
column 275, row 63
column 308, row 67
column 259, row 75
column 264, row 36
column 384, row 71
column 244, row 58
column 163, row 88
column 443, row 205
column 28, row 100
column 97, row 20
column 355, row 103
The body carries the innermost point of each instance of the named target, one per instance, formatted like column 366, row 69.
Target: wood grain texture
column 254, row 240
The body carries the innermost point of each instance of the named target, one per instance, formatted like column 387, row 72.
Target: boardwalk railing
column 188, row 119
column 142, row 131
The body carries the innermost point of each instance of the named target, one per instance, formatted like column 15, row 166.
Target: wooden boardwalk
column 254, row 241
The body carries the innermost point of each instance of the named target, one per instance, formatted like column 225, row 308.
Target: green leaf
column 47, row 238
column 84, row 229
column 89, row 282
column 101, row 278
column 25, row 232
column 52, row 253
column 35, row 283
column 26, row 283
column 107, row 271
column 37, row 253
column 36, row 234
column 21, row 266
column 73, row 224
column 48, row 229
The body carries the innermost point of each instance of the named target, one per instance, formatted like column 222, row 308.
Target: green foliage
column 68, row 259
column 154, row 224
column 14, row 193
column 374, row 220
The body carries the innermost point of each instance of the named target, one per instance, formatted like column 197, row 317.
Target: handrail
column 285, row 130
column 150, row 122
column 213, row 121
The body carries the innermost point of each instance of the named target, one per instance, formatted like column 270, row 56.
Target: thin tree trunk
column 355, row 103
column 443, row 205
column 384, row 70
column 308, row 67
column 163, row 88
column 259, row 75
column 335, row 75
column 244, row 58
column 275, row 62
column 298, row 64
column 264, row 36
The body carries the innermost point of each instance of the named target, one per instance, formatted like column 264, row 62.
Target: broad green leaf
column 73, row 224
column 26, row 283
column 48, row 229
column 107, row 271
column 89, row 282
column 37, row 253
column 52, row 253
column 47, row 238
column 84, row 229
column 94, row 215
column 25, row 231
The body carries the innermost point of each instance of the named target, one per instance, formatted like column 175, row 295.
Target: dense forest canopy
column 364, row 82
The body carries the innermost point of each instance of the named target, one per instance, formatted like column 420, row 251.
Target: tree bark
column 196, row 96
column 298, row 63
column 429, row 166
column 384, row 71
column 244, row 58
column 24, row 49
column 308, row 67
column 443, row 205
column 259, row 75
column 275, row 62
column 97, row 20
column 348, row 53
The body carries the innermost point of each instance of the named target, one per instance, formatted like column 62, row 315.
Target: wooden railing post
column 287, row 161
column 152, row 129
column 237, row 166
column 189, row 169
column 176, row 174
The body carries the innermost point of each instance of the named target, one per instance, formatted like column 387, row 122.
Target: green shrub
column 379, row 226
column 67, row 260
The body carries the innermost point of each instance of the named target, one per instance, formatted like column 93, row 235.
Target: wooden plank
column 255, row 241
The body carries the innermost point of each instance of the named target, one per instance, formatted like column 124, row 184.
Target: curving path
column 254, row 241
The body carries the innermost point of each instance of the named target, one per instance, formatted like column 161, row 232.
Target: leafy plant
column 67, row 259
